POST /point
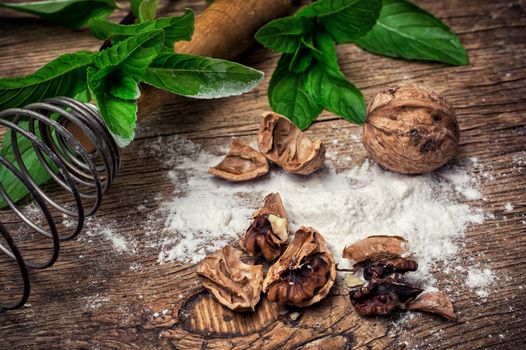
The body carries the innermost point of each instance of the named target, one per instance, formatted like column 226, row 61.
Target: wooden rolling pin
column 224, row 30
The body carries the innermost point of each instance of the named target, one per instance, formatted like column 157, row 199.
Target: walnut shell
column 434, row 302
column 234, row 284
column 268, row 233
column 410, row 130
column 242, row 163
column 286, row 145
column 374, row 248
column 304, row 274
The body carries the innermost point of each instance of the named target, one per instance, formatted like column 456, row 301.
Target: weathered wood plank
column 95, row 298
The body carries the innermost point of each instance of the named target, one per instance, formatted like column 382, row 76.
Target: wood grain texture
column 95, row 298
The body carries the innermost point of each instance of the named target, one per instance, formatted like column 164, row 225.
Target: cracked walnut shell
column 268, row 233
column 410, row 130
column 233, row 283
column 304, row 274
column 375, row 248
column 434, row 302
column 286, row 145
column 242, row 163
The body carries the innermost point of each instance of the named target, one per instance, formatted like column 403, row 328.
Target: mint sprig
column 308, row 78
column 135, row 53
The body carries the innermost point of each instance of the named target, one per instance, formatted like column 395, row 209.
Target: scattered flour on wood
column 97, row 228
column 431, row 211
column 480, row 280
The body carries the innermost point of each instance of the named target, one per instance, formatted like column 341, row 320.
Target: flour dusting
column 430, row 211
column 479, row 280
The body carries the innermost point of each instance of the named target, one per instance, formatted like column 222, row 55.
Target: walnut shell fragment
column 434, row 302
column 286, row 145
column 241, row 163
column 376, row 248
column 304, row 274
column 268, row 233
column 233, row 283
column 410, row 130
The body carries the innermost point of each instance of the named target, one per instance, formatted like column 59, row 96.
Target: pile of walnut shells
column 280, row 142
column 302, row 275
column 409, row 130
column 305, row 270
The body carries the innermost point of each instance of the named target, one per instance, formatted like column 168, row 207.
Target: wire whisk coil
column 85, row 170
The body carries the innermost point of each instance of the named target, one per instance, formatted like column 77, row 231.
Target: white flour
column 429, row 210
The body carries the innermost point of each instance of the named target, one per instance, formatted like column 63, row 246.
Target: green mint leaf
column 175, row 29
column 405, row 30
column 83, row 96
column 325, row 53
column 120, row 115
column 67, row 13
column 200, row 77
column 64, row 76
column 283, row 34
column 337, row 95
column 122, row 86
column 301, row 60
column 344, row 20
column 132, row 55
column 144, row 10
column 114, row 84
column 12, row 185
column 288, row 95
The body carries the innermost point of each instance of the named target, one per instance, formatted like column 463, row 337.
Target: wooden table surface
column 94, row 298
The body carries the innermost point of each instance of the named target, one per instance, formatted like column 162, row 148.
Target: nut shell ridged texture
column 285, row 144
column 242, row 163
column 233, row 283
column 410, row 130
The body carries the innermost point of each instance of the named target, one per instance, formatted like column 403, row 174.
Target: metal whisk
column 86, row 172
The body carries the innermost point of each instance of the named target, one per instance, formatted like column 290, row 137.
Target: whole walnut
column 410, row 130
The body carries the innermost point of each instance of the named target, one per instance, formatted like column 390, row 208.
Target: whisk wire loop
column 85, row 170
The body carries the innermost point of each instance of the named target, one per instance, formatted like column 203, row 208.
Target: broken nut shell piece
column 377, row 247
column 285, row 144
column 304, row 274
column 233, row 283
column 268, row 233
column 434, row 302
column 242, row 163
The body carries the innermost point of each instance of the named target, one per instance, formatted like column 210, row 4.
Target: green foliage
column 308, row 78
column 67, row 13
column 405, row 30
column 288, row 95
column 64, row 76
column 144, row 10
column 344, row 20
column 336, row 94
column 283, row 34
column 113, row 82
column 141, row 52
column 10, row 182
column 200, row 77
column 176, row 28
